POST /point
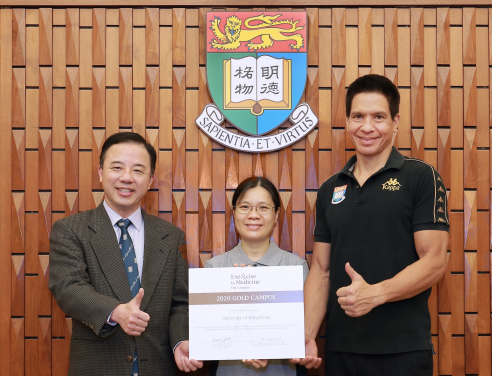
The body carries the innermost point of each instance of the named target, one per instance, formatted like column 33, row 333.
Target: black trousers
column 415, row 363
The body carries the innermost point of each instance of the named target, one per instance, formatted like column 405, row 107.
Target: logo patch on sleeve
column 338, row 194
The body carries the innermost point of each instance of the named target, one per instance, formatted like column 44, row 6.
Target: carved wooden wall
column 71, row 77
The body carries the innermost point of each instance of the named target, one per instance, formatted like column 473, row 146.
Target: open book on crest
column 257, row 84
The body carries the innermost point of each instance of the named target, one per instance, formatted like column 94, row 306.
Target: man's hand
column 129, row 316
column 257, row 363
column 360, row 297
column 311, row 359
column 181, row 356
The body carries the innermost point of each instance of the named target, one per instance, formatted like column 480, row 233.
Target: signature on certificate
column 271, row 339
column 224, row 339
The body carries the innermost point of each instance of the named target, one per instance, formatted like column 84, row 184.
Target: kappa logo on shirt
column 391, row 185
column 338, row 194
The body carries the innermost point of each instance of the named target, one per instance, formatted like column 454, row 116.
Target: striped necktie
column 131, row 267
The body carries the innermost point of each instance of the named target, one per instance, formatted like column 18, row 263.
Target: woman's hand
column 242, row 265
column 181, row 356
column 257, row 363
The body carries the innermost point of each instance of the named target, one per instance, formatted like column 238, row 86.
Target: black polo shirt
column 372, row 228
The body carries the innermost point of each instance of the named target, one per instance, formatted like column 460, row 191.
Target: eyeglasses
column 262, row 209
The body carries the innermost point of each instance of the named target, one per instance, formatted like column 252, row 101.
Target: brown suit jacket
column 88, row 280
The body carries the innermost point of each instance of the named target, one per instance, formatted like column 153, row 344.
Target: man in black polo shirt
column 381, row 239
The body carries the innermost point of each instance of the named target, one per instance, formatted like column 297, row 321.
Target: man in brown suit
column 88, row 275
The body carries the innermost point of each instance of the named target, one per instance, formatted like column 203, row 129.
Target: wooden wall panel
column 18, row 37
column 417, row 33
column 45, row 36
column 70, row 77
column 338, row 36
column 19, row 97
column 443, row 36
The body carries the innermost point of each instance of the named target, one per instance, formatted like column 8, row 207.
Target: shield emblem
column 338, row 194
column 256, row 66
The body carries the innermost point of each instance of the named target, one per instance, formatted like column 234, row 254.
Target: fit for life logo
column 256, row 73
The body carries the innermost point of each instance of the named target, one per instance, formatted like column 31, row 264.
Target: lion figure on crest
column 269, row 31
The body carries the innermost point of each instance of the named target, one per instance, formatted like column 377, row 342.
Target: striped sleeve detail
column 440, row 210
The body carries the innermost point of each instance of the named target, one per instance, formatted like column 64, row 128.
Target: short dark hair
column 256, row 181
column 374, row 83
column 128, row 137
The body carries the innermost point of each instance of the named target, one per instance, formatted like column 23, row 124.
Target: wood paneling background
column 71, row 77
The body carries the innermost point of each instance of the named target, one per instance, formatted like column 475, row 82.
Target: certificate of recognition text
column 246, row 313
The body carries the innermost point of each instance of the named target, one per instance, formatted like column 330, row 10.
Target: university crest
column 339, row 194
column 256, row 73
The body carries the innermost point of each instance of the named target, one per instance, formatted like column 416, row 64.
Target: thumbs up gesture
column 359, row 297
column 129, row 316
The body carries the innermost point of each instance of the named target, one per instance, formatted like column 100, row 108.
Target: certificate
column 246, row 313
